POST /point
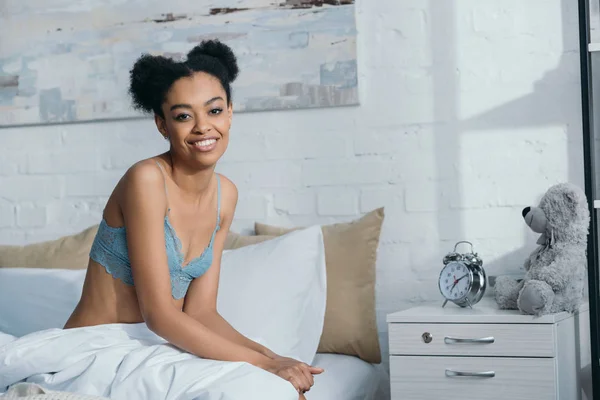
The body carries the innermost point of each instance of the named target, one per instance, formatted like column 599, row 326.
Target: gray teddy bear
column 556, row 271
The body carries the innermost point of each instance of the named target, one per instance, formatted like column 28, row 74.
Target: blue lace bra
column 110, row 250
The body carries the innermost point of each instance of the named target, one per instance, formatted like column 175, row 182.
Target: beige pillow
column 72, row 251
column 350, row 254
column 67, row 252
column 235, row 240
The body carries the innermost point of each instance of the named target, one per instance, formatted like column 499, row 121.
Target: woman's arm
column 215, row 322
column 143, row 204
column 201, row 299
column 201, row 303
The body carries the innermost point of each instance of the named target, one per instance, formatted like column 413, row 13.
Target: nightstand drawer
column 508, row 340
column 472, row 378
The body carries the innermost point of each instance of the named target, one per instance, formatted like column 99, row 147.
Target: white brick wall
column 469, row 111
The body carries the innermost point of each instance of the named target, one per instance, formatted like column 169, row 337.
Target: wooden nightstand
column 485, row 353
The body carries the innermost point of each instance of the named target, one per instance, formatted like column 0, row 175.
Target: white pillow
column 274, row 292
column 33, row 299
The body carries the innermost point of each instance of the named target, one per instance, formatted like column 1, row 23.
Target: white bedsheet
column 348, row 378
column 128, row 361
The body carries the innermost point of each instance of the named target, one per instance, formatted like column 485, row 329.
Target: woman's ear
column 161, row 125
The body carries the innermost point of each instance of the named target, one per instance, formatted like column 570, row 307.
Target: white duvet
column 128, row 361
column 272, row 292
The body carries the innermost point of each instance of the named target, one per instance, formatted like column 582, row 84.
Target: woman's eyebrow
column 174, row 106
column 213, row 99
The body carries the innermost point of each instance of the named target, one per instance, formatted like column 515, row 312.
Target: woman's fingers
column 302, row 380
column 298, row 379
column 305, row 370
column 306, row 383
column 315, row 370
column 295, row 383
column 300, row 375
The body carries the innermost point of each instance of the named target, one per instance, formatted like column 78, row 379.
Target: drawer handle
column 487, row 374
column 485, row 340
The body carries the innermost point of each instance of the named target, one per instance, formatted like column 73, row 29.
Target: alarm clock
column 462, row 279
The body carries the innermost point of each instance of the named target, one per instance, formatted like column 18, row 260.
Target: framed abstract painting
column 68, row 61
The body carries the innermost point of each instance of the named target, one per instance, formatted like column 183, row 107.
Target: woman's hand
column 296, row 372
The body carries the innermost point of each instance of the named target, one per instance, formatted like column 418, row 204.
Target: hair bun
column 214, row 48
column 147, row 76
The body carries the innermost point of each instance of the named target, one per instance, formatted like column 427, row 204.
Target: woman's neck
column 193, row 183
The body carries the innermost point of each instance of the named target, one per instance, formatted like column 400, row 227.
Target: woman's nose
column 202, row 126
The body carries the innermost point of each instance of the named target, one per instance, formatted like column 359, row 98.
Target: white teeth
column 205, row 143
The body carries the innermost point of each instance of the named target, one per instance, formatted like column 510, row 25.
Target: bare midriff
column 106, row 300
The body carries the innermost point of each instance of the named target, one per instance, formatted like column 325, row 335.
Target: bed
column 41, row 299
column 347, row 377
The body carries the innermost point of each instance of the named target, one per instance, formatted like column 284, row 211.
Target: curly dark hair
column 152, row 76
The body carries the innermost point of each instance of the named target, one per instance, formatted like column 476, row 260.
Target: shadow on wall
column 510, row 263
column 445, row 108
column 545, row 106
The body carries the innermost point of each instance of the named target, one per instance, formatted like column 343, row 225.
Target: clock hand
column 461, row 277
column 455, row 282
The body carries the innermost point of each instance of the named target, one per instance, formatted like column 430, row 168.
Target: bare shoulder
column 229, row 196
column 143, row 180
column 144, row 172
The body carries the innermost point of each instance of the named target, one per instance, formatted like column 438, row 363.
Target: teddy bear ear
column 571, row 197
column 571, row 201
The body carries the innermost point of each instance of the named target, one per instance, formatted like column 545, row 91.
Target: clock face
column 455, row 280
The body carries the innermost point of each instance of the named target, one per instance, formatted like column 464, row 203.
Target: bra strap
column 218, row 200
column 218, row 210
column 165, row 181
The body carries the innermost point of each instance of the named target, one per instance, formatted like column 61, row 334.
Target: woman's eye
column 216, row 111
column 182, row 117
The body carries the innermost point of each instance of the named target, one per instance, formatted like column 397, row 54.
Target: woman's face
column 197, row 119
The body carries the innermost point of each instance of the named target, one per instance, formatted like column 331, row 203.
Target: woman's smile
column 204, row 144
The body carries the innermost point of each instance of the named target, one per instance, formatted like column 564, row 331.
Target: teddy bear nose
column 525, row 211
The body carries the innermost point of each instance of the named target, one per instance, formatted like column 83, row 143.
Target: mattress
column 348, row 378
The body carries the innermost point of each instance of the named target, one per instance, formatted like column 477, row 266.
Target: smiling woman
column 157, row 254
column 191, row 100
